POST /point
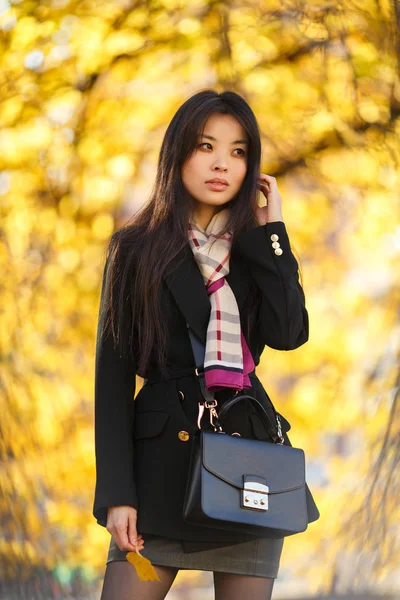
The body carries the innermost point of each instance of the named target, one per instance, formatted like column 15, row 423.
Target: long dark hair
column 139, row 254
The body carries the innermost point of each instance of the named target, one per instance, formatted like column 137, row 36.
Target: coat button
column 278, row 251
column 274, row 237
column 276, row 245
column 183, row 436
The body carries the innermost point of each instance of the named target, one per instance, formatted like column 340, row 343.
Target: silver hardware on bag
column 279, row 426
column 255, row 495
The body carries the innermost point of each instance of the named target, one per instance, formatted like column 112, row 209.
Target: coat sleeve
column 114, row 391
column 283, row 318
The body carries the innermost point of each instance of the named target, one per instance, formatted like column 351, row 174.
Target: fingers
column 269, row 178
column 135, row 539
column 122, row 526
column 126, row 540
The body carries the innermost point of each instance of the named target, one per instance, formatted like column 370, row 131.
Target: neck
column 203, row 213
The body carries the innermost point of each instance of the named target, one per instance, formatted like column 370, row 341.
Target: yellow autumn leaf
column 144, row 568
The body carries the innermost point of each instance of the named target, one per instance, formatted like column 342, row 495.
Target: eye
column 208, row 144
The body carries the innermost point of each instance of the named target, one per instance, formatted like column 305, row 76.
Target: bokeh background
column 87, row 91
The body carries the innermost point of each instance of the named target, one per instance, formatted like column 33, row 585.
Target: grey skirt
column 258, row 557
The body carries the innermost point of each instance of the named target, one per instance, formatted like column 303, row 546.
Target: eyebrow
column 210, row 137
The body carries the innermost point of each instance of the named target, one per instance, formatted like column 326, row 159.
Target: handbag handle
column 275, row 431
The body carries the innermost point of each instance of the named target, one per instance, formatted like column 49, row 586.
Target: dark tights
column 122, row 583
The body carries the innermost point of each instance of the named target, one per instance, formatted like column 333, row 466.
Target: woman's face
column 220, row 153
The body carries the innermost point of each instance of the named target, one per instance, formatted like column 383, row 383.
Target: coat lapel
column 186, row 284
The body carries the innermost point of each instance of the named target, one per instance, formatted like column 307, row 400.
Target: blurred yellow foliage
column 87, row 91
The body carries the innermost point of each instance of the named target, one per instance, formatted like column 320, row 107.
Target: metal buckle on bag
column 255, row 495
column 200, row 414
column 213, row 415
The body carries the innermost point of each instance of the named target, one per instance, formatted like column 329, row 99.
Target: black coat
column 142, row 456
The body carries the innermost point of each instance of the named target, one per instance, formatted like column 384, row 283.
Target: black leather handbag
column 240, row 484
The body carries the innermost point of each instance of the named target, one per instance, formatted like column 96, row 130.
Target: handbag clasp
column 255, row 495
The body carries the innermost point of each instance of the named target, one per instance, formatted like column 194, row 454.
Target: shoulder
column 124, row 239
column 126, row 236
column 124, row 244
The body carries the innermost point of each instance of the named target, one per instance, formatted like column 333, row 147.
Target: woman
column 158, row 278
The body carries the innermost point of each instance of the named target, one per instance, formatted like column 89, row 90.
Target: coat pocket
column 149, row 424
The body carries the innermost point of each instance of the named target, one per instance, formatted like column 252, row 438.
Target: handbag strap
column 275, row 431
column 199, row 353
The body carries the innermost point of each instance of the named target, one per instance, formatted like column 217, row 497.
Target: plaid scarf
column 228, row 359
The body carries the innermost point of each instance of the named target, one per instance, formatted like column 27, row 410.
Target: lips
column 217, row 187
column 218, row 180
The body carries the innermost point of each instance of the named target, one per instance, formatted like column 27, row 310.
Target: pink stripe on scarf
column 219, row 378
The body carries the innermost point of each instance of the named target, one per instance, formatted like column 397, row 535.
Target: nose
column 220, row 162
